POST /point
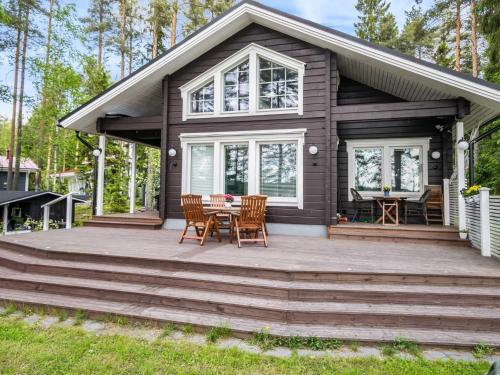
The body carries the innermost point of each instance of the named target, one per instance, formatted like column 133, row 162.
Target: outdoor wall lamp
column 313, row 150
column 462, row 144
column 435, row 155
column 96, row 152
column 172, row 152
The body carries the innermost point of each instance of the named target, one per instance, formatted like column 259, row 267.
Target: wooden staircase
column 432, row 309
column 418, row 234
column 131, row 221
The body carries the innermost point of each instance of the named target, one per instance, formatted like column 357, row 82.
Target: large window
column 400, row 163
column 254, row 81
column 245, row 163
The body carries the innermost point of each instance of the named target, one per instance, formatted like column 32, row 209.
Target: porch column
column 5, row 218
column 484, row 208
column 460, row 157
column 446, row 201
column 132, row 176
column 100, row 176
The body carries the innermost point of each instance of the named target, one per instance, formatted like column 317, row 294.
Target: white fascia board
column 339, row 44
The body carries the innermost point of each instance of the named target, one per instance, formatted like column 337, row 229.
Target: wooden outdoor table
column 390, row 208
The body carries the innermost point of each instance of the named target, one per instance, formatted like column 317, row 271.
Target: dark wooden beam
column 129, row 124
column 328, row 137
column 399, row 110
column 164, row 151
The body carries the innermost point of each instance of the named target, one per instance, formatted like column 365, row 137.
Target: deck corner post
column 446, row 201
column 46, row 217
column 132, row 176
column 5, row 218
column 484, row 208
column 460, row 160
column 100, row 176
column 69, row 211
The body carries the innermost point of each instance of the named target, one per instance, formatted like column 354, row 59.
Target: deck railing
column 69, row 210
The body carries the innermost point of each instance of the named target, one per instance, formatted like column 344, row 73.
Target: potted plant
column 229, row 199
column 387, row 190
column 471, row 194
column 341, row 219
column 463, row 234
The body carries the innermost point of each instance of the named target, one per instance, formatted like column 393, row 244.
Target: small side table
column 390, row 210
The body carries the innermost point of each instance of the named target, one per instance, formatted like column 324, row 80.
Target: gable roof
column 25, row 164
column 357, row 59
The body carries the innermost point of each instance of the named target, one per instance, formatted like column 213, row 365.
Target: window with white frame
column 400, row 163
column 254, row 81
column 245, row 163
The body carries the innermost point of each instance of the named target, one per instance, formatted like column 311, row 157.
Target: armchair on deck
column 202, row 222
column 417, row 207
column 362, row 205
column 250, row 220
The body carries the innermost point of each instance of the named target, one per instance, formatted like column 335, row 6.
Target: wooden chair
column 417, row 207
column 250, row 220
column 203, row 223
column 435, row 204
column 219, row 201
column 361, row 205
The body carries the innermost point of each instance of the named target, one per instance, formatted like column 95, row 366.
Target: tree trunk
column 49, row 160
column 41, row 126
column 173, row 28
column 473, row 21
column 21, row 97
column 154, row 45
column 458, row 27
column 14, row 102
column 100, row 34
column 123, row 23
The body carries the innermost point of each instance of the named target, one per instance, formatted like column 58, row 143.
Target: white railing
column 69, row 211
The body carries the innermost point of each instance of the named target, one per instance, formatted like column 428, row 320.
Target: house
column 70, row 179
column 19, row 206
column 26, row 167
column 262, row 102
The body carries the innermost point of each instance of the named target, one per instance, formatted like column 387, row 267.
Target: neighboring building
column 262, row 102
column 18, row 206
column 74, row 182
column 26, row 167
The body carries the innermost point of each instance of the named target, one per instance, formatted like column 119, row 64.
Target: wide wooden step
column 242, row 326
column 129, row 219
column 23, row 257
column 148, row 224
column 418, row 234
column 357, row 314
column 368, row 292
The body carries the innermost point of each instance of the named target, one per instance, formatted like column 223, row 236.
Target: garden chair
column 435, row 204
column 417, row 207
column 202, row 222
column 251, row 220
column 224, row 219
column 362, row 205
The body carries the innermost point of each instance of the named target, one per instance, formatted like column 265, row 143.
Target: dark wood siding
column 313, row 118
column 353, row 92
column 391, row 129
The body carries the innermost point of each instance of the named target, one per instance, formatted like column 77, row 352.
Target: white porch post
column 484, row 207
column 460, row 158
column 69, row 211
column 5, row 218
column 132, row 176
column 46, row 217
column 446, row 201
column 100, row 175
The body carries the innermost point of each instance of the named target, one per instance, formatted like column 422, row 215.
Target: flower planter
column 472, row 199
column 386, row 194
column 463, row 235
column 228, row 205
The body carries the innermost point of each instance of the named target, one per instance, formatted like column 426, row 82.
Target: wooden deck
column 136, row 220
column 353, row 290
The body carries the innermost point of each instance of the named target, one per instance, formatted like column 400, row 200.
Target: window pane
column 368, row 169
column 202, row 100
column 236, row 87
column 275, row 82
column 278, row 170
column 405, row 169
column 202, row 169
column 236, row 169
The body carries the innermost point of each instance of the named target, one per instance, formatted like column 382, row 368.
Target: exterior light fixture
column 462, row 144
column 436, row 155
column 172, row 152
column 313, row 150
column 96, row 152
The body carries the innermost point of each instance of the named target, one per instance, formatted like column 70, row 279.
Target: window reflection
column 368, row 169
column 278, row 169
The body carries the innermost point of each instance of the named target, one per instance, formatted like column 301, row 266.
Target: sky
column 337, row 14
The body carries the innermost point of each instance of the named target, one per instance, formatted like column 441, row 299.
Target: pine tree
column 488, row 12
column 195, row 16
column 159, row 20
column 376, row 23
column 217, row 7
column 417, row 37
column 98, row 24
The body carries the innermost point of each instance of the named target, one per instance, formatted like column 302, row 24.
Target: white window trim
column 253, row 138
column 386, row 144
column 251, row 52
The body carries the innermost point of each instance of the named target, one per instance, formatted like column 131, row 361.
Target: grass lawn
column 28, row 349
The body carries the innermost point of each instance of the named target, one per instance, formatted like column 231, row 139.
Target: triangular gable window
column 253, row 81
